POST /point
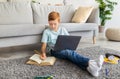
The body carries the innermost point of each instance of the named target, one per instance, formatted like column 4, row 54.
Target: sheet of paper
column 36, row 57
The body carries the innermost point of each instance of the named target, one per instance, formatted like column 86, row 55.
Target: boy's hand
column 43, row 56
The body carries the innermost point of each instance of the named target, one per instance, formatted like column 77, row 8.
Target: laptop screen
column 67, row 42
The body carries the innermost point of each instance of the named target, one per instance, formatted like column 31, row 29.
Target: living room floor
column 27, row 50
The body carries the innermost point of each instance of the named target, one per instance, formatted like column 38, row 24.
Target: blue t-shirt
column 50, row 36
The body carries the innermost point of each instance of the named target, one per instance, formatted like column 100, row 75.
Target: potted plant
column 106, row 8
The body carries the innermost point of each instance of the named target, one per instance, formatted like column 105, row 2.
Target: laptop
column 66, row 42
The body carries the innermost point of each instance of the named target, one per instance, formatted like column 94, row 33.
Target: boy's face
column 54, row 24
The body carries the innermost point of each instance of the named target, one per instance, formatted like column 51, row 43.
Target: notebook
column 66, row 42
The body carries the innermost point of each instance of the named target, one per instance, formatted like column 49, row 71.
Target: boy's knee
column 68, row 50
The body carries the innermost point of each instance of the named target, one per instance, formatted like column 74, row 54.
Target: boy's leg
column 92, row 66
column 72, row 56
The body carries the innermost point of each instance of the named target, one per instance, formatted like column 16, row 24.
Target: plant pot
column 101, row 29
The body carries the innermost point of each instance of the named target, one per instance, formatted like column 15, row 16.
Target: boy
column 49, row 39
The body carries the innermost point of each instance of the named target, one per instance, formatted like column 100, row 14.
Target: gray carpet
column 17, row 69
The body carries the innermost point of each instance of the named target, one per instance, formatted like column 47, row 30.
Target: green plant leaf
column 102, row 5
column 108, row 12
column 99, row 1
column 111, row 7
column 105, row 10
column 108, row 18
column 108, row 1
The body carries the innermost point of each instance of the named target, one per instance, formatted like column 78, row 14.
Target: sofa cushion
column 75, row 27
column 20, row 40
column 82, row 14
column 40, row 12
column 94, row 16
column 15, row 13
column 21, row 30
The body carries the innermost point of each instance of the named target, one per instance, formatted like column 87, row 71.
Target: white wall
column 114, row 22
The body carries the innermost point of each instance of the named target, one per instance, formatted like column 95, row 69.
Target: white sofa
column 22, row 23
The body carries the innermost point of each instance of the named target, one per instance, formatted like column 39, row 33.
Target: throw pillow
column 82, row 14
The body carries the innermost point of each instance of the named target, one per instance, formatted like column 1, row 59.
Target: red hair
column 53, row 16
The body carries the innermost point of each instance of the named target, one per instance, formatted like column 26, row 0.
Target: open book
column 35, row 60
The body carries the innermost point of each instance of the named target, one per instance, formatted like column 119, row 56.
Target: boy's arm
column 44, row 44
column 43, row 51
